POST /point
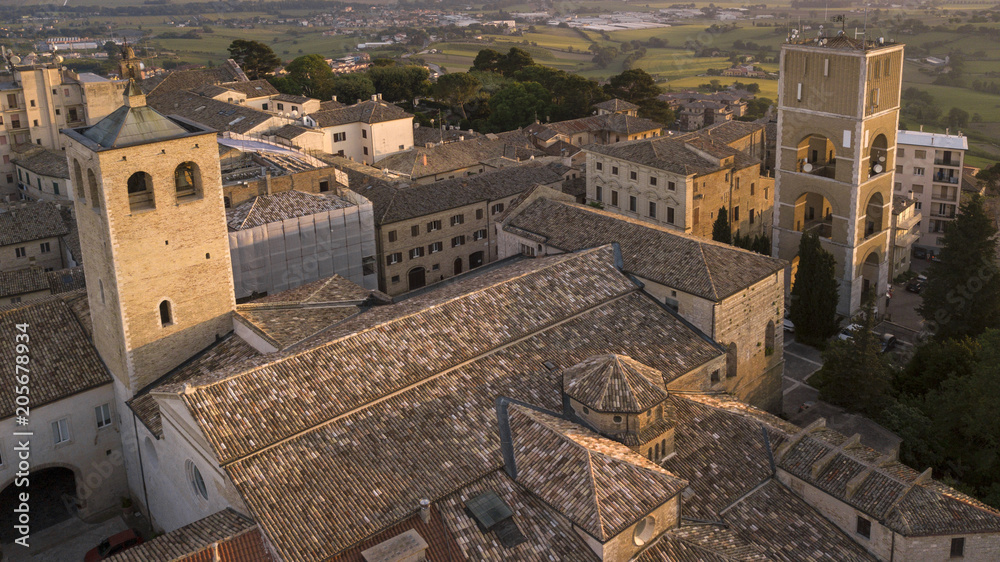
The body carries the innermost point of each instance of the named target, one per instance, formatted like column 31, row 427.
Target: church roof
column 614, row 383
column 224, row 536
column 132, row 125
column 616, row 105
column 599, row 484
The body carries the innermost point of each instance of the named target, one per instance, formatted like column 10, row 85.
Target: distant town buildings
column 695, row 110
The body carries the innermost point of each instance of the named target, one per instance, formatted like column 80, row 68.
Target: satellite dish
column 807, row 167
column 295, row 113
column 878, row 168
column 58, row 59
column 881, row 158
column 15, row 59
column 142, row 66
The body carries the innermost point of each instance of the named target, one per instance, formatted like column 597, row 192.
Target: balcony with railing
column 945, row 176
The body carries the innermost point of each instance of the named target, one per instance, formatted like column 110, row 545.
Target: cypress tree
column 814, row 293
column 962, row 297
column 721, row 231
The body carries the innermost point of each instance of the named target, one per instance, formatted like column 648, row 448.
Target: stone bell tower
column 838, row 112
column 153, row 235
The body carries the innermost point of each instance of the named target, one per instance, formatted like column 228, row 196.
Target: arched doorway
column 476, row 259
column 416, row 278
column 53, row 493
column 458, row 266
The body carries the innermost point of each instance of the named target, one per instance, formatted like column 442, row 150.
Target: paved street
column 64, row 542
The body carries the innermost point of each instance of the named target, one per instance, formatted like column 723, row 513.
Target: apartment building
column 929, row 169
column 38, row 100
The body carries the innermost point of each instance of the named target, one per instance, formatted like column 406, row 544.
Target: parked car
column 920, row 253
column 848, row 332
column 789, row 326
column 889, row 342
column 113, row 545
column 915, row 286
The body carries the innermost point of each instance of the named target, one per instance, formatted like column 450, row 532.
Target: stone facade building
column 929, row 170
column 42, row 175
column 682, row 182
column 838, row 111
column 34, row 235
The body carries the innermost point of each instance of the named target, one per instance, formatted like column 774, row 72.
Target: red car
column 113, row 545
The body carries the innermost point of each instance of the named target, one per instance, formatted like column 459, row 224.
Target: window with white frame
column 434, row 248
column 103, row 413
column 60, row 431
column 479, row 234
column 196, row 480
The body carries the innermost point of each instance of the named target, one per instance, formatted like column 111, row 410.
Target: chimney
column 425, row 510
column 333, row 98
column 267, row 181
column 425, row 159
column 374, row 97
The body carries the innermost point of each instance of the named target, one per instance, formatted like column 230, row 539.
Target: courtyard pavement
column 68, row 541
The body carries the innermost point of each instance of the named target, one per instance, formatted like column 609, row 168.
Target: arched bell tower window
column 187, row 180
column 140, row 191
column 166, row 316
column 78, row 179
column 95, row 200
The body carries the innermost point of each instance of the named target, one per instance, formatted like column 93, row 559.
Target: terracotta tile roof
column 330, row 104
column 789, row 529
column 31, row 221
column 65, row 280
column 397, row 202
column 600, row 485
column 383, row 383
column 672, row 154
column 293, row 131
column 45, row 162
column 369, row 111
column 422, row 136
column 286, row 326
column 209, row 112
column 611, row 122
column 550, row 536
column 441, row 545
column 252, row 88
column 333, row 289
column 683, row 262
column 702, row 542
column 229, row 351
column 20, row 281
column 62, row 360
column 234, row 535
column 291, row 98
column 730, row 131
column 450, row 156
column 614, row 383
column 616, row 105
column 264, row 209
column 191, row 79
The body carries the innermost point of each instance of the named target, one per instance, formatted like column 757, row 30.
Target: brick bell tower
column 150, row 211
column 838, row 112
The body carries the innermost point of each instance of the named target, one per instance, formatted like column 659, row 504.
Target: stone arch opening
column 140, row 191
column 476, row 259
column 816, row 155
column 53, row 500
column 416, row 278
column 878, row 156
column 187, row 180
column 814, row 213
column 457, row 266
column 770, row 338
column 875, row 220
column 731, row 360
column 166, row 314
column 869, row 274
column 95, row 198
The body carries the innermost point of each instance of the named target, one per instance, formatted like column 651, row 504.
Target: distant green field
column 768, row 88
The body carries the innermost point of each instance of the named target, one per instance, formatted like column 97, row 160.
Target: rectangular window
column 479, row 234
column 751, row 216
column 920, row 154
column 715, row 376
column 527, row 250
column 457, row 219
column 103, row 413
column 368, row 265
column 339, row 137
column 417, row 252
column 614, row 170
column 395, row 279
column 394, row 258
column 918, row 171
column 652, row 209
column 753, row 188
column 20, row 252
column 324, row 186
column 392, row 236
column 614, row 198
column 864, row 527
column 826, row 67
column 633, row 176
column 60, row 431
column 457, row 241
column 695, row 216
column 599, row 166
column 281, row 107
column 34, row 122
column 798, row 92
column 479, row 214
column 433, row 225
column 599, row 193
column 12, row 101
column 45, row 247
column 435, row 248
column 415, row 230
column 364, row 149
column 652, row 180
column 73, row 117
column 958, row 547
column 364, row 133
column 671, row 186
column 670, row 215
column 632, row 202
column 736, row 214
column 55, row 188
column 497, row 208
column 900, row 152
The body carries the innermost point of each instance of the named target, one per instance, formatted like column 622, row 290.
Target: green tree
column 956, row 118
column 308, row 75
column 255, row 58
column 400, row 83
column 633, row 85
column 456, row 89
column 352, row 87
column 515, row 60
column 856, row 363
column 516, row 105
column 721, row 231
column 814, row 292
column 487, row 60
column 962, row 297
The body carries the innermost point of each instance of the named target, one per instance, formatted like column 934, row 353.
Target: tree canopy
column 456, row 89
column 255, row 58
column 516, row 105
column 400, row 83
column 308, row 75
column 815, row 292
column 721, row 231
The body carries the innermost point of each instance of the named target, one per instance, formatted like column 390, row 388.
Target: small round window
column 644, row 531
column 618, row 419
column 586, row 410
column 197, row 482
